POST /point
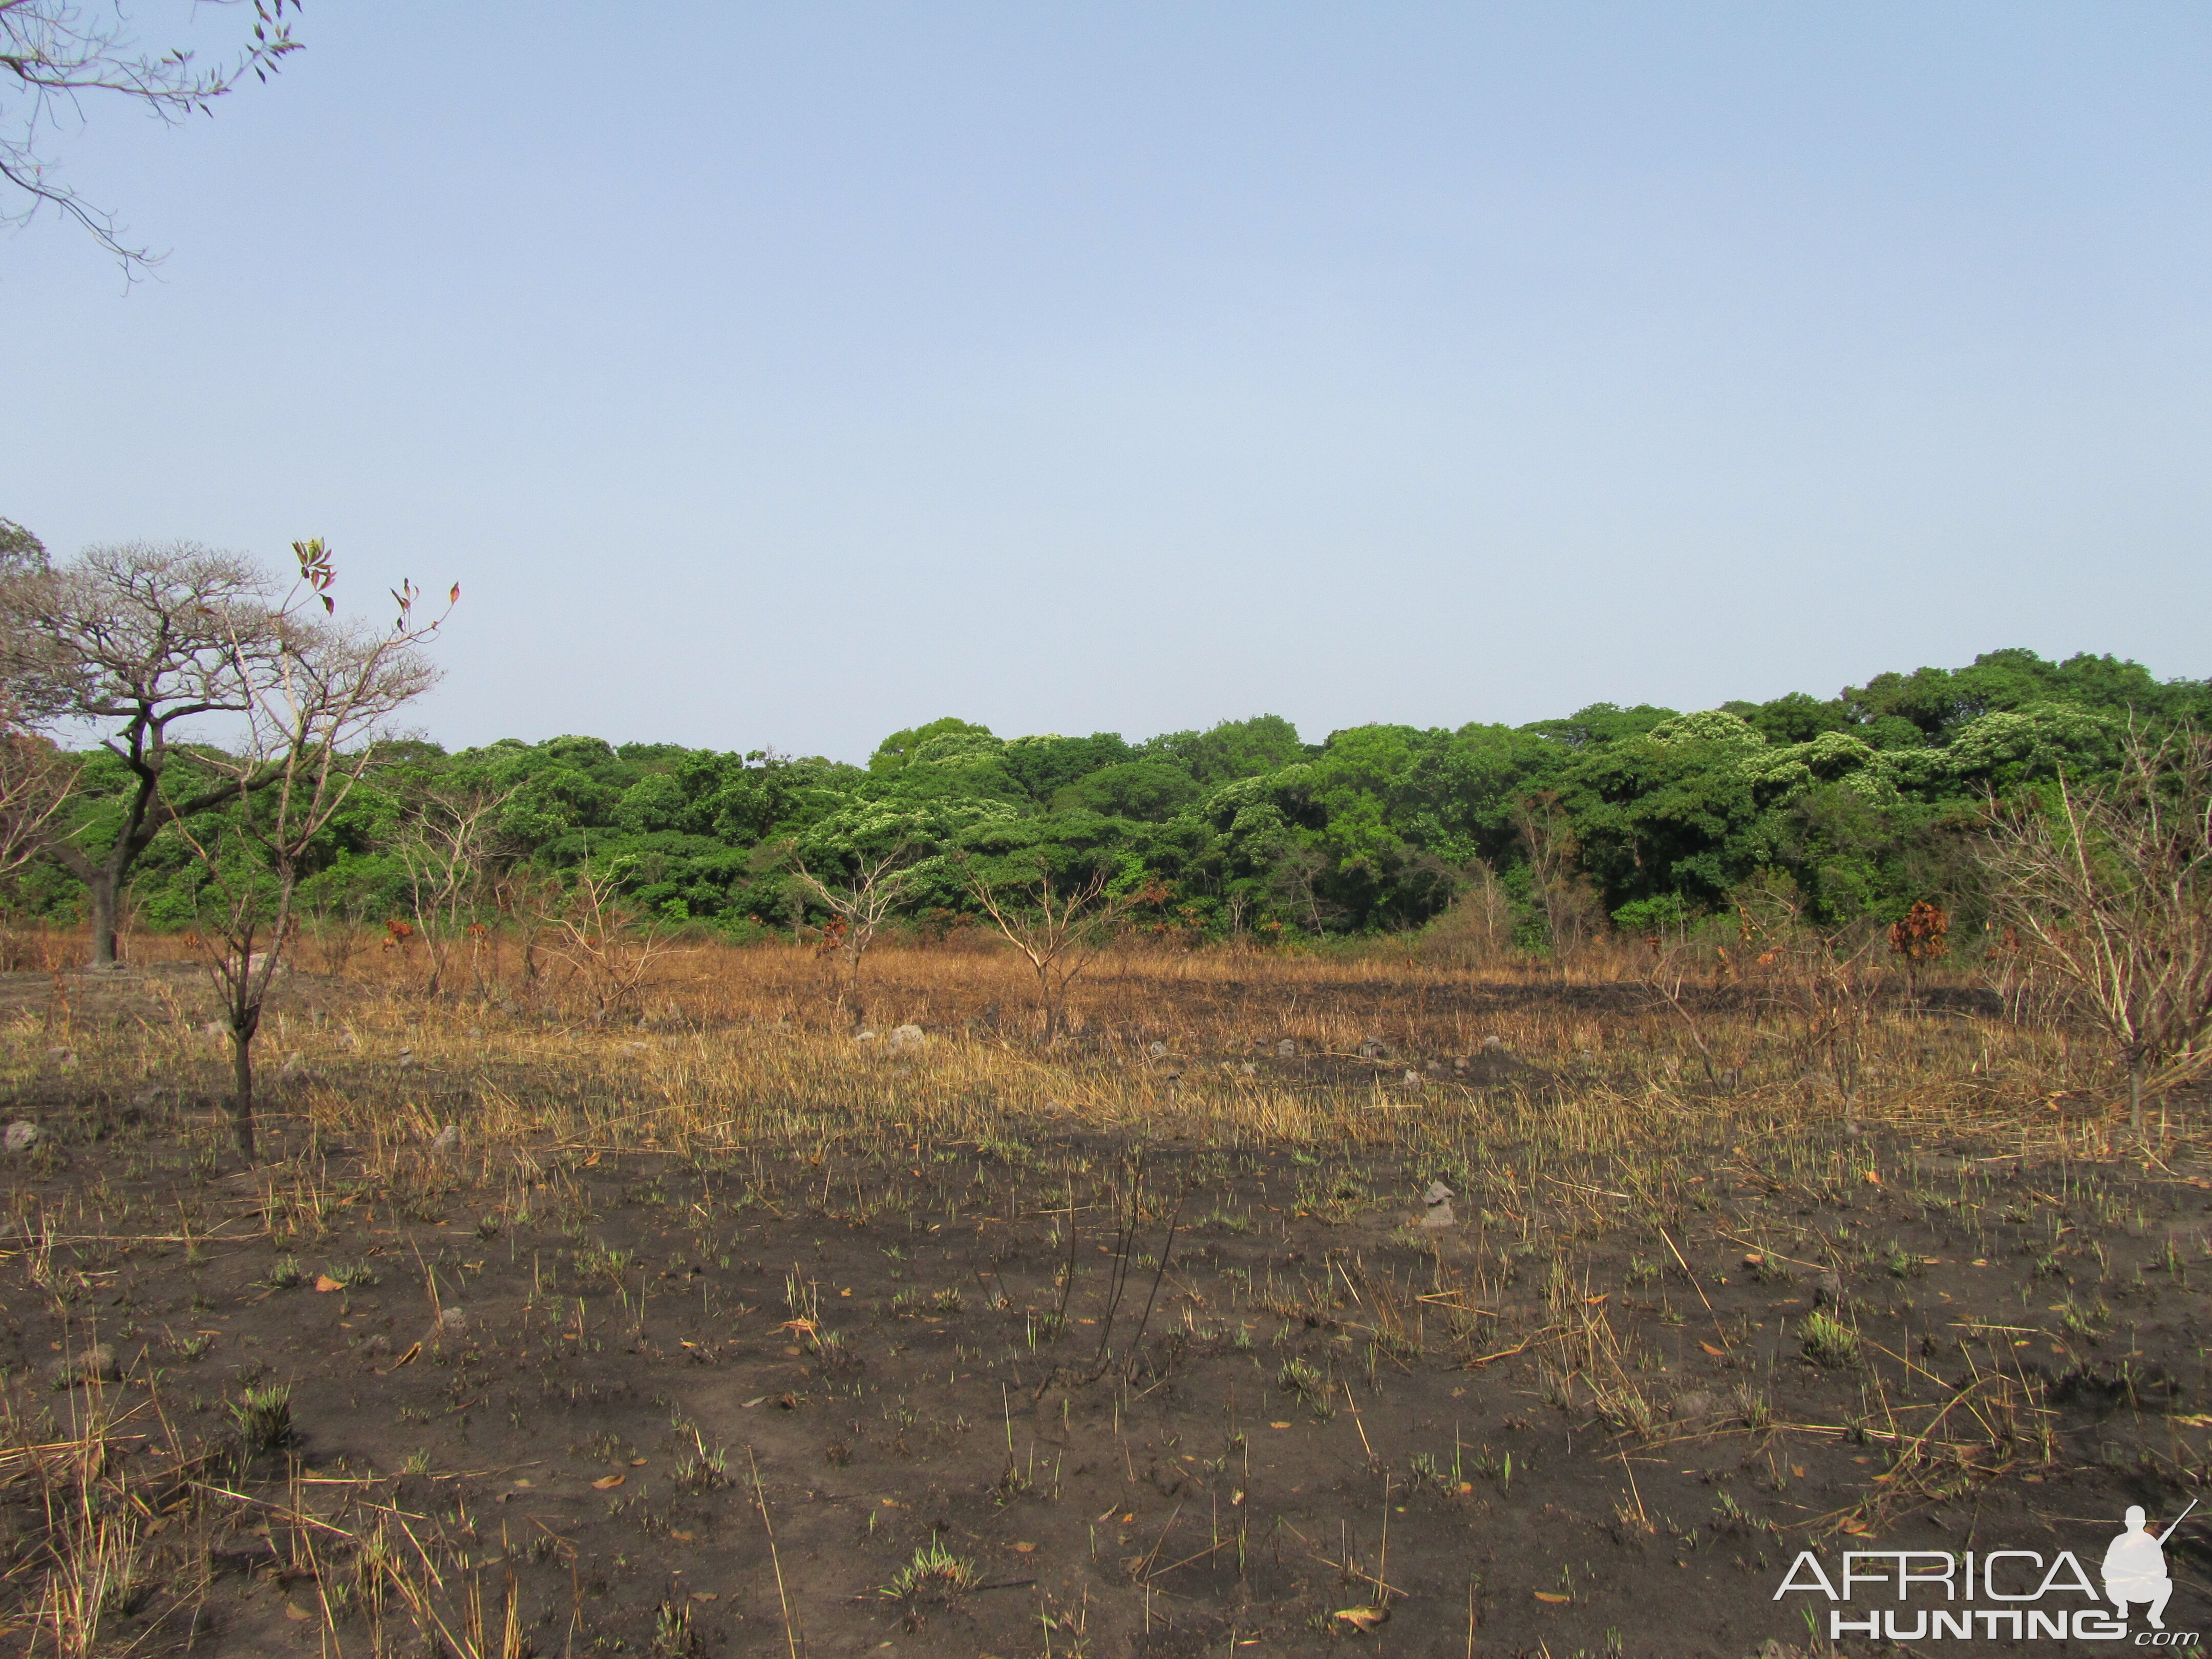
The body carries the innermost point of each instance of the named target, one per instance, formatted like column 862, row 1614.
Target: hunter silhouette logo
column 2135, row 1566
column 2024, row 1596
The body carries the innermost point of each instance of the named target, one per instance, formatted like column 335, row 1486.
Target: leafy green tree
column 1231, row 750
column 1150, row 791
column 1046, row 765
column 894, row 752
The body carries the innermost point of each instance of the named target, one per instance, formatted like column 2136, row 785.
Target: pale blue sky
column 785, row 375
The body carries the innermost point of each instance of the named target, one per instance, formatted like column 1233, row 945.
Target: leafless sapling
column 870, row 890
column 1058, row 923
column 2108, row 886
column 309, row 733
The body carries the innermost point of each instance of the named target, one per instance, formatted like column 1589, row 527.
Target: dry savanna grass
column 636, row 1293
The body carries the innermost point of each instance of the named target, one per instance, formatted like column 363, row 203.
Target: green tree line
column 1641, row 817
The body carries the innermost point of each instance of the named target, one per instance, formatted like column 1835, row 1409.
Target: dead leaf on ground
column 1552, row 1596
column 1361, row 1619
column 608, row 1482
column 292, row 1612
column 323, row 1282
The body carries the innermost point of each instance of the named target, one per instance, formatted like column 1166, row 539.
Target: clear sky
column 783, row 375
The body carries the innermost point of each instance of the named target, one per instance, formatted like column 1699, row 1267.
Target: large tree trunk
column 104, row 885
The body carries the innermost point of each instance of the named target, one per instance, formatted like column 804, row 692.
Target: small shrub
column 934, row 1569
column 1827, row 1340
column 1299, row 1377
column 264, row 1418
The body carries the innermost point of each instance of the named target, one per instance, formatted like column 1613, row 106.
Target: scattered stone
column 62, row 1056
column 511, row 1008
column 1373, row 1049
column 1414, row 1080
column 451, row 1320
column 475, row 1033
column 1695, row 1406
column 863, row 1037
column 1459, row 1062
column 1439, row 1199
column 1287, row 1049
column 22, row 1136
column 1249, row 1069
column 448, row 1140
column 93, row 1364
column 406, row 1056
column 1493, row 1043
column 1828, row 1290
column 1157, row 1050
column 295, row 1068
column 906, row 1039
column 215, row 1031
column 637, row 1047
column 350, row 1040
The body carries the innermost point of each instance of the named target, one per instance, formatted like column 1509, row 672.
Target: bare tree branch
column 55, row 52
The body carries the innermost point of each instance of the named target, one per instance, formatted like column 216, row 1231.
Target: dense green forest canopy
column 1852, row 804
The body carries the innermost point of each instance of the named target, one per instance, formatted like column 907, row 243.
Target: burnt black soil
column 1155, row 1400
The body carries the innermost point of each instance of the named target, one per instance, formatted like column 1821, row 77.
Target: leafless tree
column 447, row 845
column 874, row 886
column 1057, row 924
column 1295, row 879
column 1555, row 879
column 36, row 782
column 1476, row 931
column 143, row 639
column 588, row 928
column 310, row 729
column 2109, row 888
column 57, row 55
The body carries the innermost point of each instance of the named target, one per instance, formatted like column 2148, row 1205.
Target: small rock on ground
column 93, row 1364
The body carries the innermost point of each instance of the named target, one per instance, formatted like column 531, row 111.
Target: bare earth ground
column 725, row 1332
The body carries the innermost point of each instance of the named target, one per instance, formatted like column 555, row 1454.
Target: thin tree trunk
column 241, row 1075
column 2135, row 1099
